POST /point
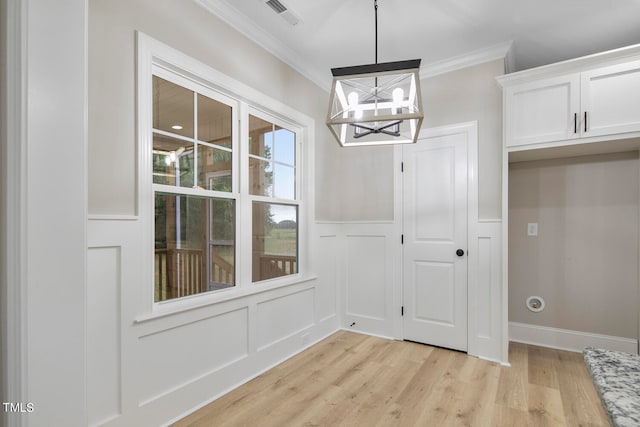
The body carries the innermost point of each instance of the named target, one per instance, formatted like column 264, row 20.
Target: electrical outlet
column 532, row 229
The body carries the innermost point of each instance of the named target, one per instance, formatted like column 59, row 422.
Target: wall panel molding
column 370, row 277
column 104, row 339
column 151, row 385
column 485, row 295
column 273, row 317
column 485, row 291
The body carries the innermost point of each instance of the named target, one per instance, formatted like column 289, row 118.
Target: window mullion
column 195, row 139
column 244, row 205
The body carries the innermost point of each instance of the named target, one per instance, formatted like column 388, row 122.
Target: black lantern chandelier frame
column 376, row 104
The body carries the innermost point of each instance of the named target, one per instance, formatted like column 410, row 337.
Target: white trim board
column 564, row 339
column 469, row 59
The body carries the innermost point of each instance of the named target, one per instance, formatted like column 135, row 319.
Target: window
column 272, row 181
column 215, row 160
column 194, row 204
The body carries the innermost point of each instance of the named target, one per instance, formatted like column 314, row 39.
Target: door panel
column 435, row 226
column 434, row 197
column 435, row 290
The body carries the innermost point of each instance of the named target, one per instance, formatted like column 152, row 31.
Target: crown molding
column 252, row 30
column 476, row 57
column 255, row 33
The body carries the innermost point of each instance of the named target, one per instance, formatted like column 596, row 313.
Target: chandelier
column 377, row 103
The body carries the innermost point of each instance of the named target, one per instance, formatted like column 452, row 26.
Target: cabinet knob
column 459, row 252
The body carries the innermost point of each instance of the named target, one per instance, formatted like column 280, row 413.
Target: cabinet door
column 542, row 111
column 611, row 99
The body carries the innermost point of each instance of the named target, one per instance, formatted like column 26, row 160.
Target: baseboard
column 564, row 339
column 371, row 334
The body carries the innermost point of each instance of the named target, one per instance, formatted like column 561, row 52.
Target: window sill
column 194, row 302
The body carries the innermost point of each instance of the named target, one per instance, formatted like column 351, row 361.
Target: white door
column 435, row 241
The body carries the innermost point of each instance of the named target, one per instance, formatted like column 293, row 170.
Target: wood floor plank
column 479, row 395
column 577, row 391
column 512, row 389
column 382, row 395
column 504, row 416
column 351, row 379
column 542, row 367
column 420, row 389
column 545, row 406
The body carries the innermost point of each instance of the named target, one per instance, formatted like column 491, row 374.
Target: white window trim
column 153, row 55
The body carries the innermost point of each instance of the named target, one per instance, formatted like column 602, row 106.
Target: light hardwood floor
column 351, row 379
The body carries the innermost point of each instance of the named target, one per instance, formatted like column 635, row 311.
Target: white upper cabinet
column 610, row 99
column 577, row 101
column 543, row 110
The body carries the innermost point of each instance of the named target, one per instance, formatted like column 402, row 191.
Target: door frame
column 471, row 131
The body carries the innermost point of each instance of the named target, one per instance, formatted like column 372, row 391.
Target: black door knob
column 459, row 252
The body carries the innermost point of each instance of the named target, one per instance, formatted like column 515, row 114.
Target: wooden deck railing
column 277, row 265
column 182, row 272
column 222, row 270
column 179, row 272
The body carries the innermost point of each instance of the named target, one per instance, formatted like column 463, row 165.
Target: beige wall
column 187, row 27
column 460, row 96
column 351, row 184
column 366, row 183
column 473, row 94
column 584, row 261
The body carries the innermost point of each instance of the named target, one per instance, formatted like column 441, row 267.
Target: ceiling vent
column 283, row 11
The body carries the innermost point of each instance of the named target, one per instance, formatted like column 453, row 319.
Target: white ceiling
column 337, row 33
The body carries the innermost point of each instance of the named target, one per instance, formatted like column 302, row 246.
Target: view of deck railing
column 222, row 270
column 182, row 272
column 179, row 272
column 277, row 265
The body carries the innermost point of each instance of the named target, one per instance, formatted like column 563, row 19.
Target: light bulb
column 172, row 157
column 353, row 99
column 398, row 96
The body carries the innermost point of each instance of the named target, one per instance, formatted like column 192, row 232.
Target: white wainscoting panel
column 113, row 274
column 173, row 358
column 104, row 388
column 365, row 275
column 327, row 265
column 485, row 292
column 367, row 257
column 151, row 370
column 486, row 295
column 275, row 317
